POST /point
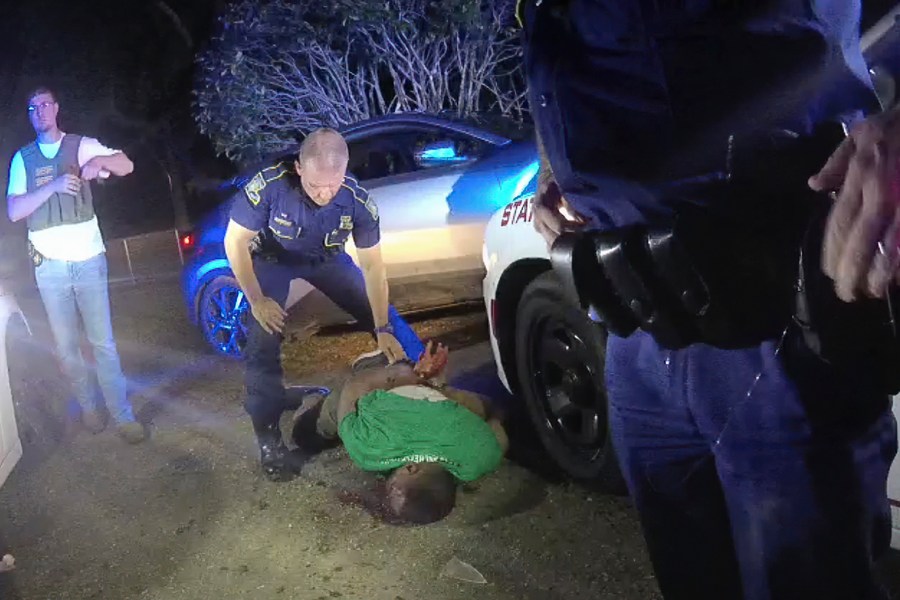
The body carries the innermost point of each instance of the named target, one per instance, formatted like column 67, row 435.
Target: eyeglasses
column 43, row 105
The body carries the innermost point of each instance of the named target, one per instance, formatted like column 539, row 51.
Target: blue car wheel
column 223, row 313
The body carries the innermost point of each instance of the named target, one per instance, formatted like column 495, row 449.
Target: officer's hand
column 66, row 184
column 392, row 349
column 866, row 211
column 269, row 314
column 549, row 220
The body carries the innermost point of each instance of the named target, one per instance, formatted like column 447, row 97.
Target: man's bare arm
column 118, row 164
column 500, row 434
column 369, row 381
column 469, row 400
column 20, row 206
column 237, row 249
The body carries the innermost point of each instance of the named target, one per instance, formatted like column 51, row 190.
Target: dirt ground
column 187, row 515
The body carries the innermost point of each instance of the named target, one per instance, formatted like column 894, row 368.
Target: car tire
column 223, row 315
column 560, row 355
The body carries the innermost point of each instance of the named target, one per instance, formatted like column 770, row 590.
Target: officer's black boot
column 273, row 454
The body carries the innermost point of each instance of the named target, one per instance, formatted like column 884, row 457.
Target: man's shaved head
column 322, row 164
column 325, row 148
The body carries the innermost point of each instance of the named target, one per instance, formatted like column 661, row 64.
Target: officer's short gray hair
column 326, row 147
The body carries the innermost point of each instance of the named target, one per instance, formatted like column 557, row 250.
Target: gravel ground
column 187, row 516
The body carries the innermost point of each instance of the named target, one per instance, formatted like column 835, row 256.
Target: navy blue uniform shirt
column 630, row 93
column 274, row 199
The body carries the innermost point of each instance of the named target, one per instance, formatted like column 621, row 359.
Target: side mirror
column 437, row 154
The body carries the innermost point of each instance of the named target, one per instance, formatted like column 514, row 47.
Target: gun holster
column 695, row 281
column 36, row 257
column 702, row 281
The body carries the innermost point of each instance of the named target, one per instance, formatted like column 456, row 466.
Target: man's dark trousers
column 339, row 279
column 757, row 489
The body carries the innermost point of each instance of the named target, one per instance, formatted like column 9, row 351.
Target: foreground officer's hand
column 861, row 252
column 269, row 314
column 549, row 220
column 392, row 349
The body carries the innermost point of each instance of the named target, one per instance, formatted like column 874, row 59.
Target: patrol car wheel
column 560, row 356
column 223, row 313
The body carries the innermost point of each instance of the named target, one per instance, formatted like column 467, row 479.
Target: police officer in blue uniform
column 757, row 467
column 308, row 211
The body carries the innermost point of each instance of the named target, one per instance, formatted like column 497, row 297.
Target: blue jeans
column 72, row 288
column 779, row 494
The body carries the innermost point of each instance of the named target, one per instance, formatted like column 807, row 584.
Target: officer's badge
column 347, row 222
column 254, row 187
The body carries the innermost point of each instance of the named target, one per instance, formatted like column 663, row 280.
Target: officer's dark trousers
column 779, row 494
column 342, row 282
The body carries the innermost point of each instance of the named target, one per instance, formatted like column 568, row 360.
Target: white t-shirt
column 419, row 392
column 73, row 242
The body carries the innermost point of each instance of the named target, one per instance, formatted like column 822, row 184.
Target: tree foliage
column 277, row 69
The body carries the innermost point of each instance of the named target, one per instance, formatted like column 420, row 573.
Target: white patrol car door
column 894, row 488
column 10, row 445
column 418, row 238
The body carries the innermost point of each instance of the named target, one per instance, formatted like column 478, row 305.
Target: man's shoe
column 369, row 360
column 93, row 421
column 273, row 454
column 131, row 431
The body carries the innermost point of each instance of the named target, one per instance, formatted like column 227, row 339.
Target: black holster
column 735, row 279
column 695, row 282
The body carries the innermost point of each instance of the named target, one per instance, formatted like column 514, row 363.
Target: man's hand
column 93, row 169
column 391, row 347
column 433, row 361
column 269, row 314
column 861, row 251
column 66, row 184
column 549, row 206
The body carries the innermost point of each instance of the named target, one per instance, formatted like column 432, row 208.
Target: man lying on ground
column 404, row 419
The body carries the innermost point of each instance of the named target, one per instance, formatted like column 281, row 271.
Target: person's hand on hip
column 269, row 314
column 861, row 251
column 391, row 347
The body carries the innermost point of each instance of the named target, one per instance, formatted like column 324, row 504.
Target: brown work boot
column 93, row 421
column 132, row 432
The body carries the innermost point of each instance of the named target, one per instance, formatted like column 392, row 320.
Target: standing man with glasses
column 49, row 188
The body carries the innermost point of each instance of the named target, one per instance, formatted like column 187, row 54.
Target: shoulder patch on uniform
column 362, row 196
column 258, row 182
column 254, row 187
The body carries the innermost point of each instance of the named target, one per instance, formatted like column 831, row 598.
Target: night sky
column 122, row 71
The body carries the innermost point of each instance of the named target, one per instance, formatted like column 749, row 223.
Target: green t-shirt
column 388, row 431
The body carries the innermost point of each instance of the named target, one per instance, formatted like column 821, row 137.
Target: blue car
column 436, row 181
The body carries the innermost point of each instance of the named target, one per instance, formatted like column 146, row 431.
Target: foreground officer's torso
column 642, row 88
